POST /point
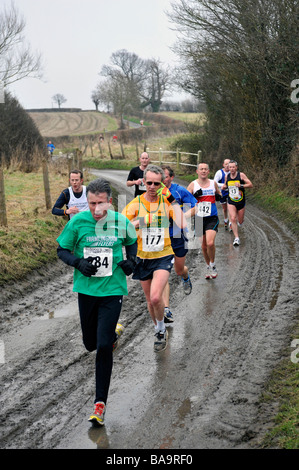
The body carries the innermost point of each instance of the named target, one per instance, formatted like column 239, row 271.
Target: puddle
column 63, row 312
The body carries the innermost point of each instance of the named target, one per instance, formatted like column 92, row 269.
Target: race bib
column 204, row 209
column 102, row 258
column 152, row 239
column 234, row 193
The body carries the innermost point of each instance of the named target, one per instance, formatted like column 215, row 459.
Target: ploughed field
column 56, row 124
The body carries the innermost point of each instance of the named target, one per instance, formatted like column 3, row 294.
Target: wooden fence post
column 199, row 157
column 111, row 156
column 122, row 149
column 46, row 184
column 3, row 217
column 70, row 164
column 178, row 159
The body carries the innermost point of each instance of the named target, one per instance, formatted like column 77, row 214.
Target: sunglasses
column 150, row 183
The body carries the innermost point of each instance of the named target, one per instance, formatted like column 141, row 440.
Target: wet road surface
column 201, row 393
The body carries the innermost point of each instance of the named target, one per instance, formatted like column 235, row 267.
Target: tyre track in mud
column 202, row 392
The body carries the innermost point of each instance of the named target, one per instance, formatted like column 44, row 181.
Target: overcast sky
column 77, row 37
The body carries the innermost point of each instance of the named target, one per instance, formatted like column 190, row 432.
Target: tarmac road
column 201, row 393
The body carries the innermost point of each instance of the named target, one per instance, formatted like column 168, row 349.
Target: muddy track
column 202, row 392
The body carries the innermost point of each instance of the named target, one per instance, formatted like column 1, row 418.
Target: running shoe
column 118, row 332
column 160, row 340
column 98, row 415
column 226, row 225
column 168, row 317
column 208, row 273
column 230, row 227
column 187, row 285
column 236, row 241
column 214, row 273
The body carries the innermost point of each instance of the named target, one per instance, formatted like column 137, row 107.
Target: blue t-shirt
column 185, row 199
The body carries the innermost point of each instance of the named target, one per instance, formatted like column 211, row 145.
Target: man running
column 50, row 148
column 179, row 241
column 236, row 183
column 220, row 180
column 206, row 220
column 73, row 198
column 135, row 177
column 92, row 243
column 150, row 213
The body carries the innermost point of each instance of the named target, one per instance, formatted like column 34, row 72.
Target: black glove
column 85, row 267
column 218, row 197
column 198, row 193
column 128, row 265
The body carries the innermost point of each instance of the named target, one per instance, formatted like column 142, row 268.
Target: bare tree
column 59, row 99
column 155, row 85
column 240, row 58
column 144, row 81
column 95, row 99
column 17, row 61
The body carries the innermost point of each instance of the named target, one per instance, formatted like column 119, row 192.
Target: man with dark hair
column 73, row 197
column 92, row 243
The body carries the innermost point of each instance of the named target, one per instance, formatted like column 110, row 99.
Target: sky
column 77, row 37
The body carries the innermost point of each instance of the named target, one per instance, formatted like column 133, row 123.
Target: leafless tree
column 240, row 59
column 17, row 61
column 95, row 99
column 59, row 99
column 143, row 81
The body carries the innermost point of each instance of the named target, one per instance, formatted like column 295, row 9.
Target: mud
column 203, row 392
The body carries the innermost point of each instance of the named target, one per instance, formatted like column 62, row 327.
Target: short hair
column 203, row 163
column 170, row 170
column 77, row 172
column 154, row 169
column 100, row 185
column 234, row 161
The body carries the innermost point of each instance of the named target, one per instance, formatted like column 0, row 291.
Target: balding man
column 135, row 177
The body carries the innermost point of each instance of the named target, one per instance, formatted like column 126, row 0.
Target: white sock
column 212, row 264
column 160, row 325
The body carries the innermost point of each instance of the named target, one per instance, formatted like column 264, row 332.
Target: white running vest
column 80, row 202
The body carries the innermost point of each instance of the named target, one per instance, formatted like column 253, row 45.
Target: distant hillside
column 63, row 123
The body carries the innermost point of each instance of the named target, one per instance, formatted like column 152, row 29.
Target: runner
column 135, row 177
column 220, row 180
column 50, row 148
column 179, row 241
column 73, row 197
column 150, row 213
column 206, row 220
column 236, row 183
column 92, row 243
